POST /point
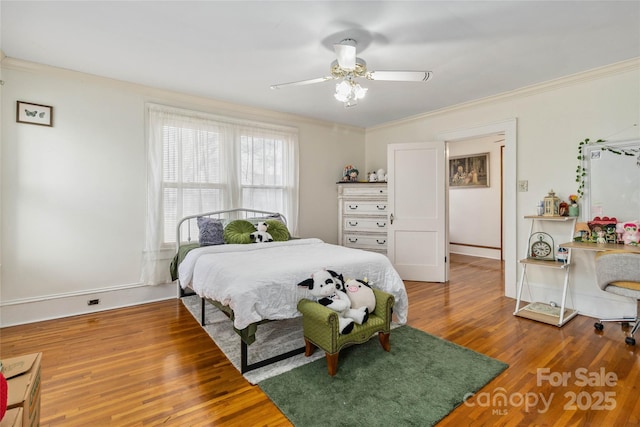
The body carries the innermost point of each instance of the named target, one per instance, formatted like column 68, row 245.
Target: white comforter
column 260, row 281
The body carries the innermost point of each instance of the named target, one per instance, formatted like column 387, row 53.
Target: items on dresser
column 362, row 213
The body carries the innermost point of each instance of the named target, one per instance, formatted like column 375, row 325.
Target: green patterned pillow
column 278, row 230
column 238, row 232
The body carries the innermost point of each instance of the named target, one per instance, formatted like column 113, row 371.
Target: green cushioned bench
column 321, row 328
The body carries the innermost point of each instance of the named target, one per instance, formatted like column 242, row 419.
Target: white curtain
column 198, row 162
column 268, row 161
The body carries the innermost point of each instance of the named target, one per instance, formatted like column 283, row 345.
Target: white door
column 418, row 239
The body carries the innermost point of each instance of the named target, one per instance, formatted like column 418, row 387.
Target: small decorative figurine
column 350, row 173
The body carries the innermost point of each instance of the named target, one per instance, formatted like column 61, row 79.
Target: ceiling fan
column 347, row 68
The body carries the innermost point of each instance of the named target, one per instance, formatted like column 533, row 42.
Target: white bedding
column 260, row 281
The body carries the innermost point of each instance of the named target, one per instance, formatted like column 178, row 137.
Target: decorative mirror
column 612, row 180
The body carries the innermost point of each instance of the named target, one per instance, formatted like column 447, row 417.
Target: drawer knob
column 352, row 239
column 381, row 242
column 353, row 223
column 353, row 207
column 381, row 225
column 383, row 207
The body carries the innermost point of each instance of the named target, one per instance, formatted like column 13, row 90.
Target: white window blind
column 191, row 175
column 202, row 163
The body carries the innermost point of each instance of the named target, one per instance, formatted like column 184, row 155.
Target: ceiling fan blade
column 303, row 82
column 346, row 54
column 401, row 76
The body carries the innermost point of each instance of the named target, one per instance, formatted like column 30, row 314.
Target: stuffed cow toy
column 360, row 294
column 261, row 235
column 323, row 285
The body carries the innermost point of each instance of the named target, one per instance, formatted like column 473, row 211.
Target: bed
column 255, row 283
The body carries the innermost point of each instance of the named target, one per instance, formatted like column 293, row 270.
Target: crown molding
column 593, row 74
column 177, row 99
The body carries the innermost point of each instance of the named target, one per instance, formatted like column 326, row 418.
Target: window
column 262, row 182
column 191, row 175
column 202, row 163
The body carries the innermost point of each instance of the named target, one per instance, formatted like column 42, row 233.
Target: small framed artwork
column 35, row 114
column 470, row 171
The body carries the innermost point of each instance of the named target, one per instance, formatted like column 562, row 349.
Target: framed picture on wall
column 35, row 114
column 470, row 171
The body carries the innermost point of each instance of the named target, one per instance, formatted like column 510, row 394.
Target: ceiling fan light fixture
column 343, row 91
column 349, row 92
column 347, row 67
column 359, row 91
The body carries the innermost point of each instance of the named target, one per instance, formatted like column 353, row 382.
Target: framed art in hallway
column 35, row 114
column 469, row 171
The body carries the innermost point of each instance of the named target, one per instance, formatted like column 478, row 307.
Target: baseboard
column 14, row 313
column 475, row 251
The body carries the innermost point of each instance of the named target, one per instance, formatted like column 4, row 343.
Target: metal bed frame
column 247, row 335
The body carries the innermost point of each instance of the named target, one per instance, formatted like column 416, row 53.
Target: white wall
column 551, row 119
column 74, row 196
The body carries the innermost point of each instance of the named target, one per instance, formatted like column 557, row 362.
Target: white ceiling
column 233, row 51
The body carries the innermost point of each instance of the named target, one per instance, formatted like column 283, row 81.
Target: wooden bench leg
column 332, row 363
column 309, row 348
column 384, row 340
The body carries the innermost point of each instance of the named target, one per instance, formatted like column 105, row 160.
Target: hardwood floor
column 153, row 364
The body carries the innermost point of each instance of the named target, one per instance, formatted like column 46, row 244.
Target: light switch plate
column 523, row 186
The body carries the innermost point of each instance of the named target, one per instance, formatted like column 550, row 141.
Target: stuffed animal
column 630, row 232
column 261, row 234
column 323, row 285
column 360, row 294
column 355, row 312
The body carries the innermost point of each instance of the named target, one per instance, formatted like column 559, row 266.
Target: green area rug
column 419, row 382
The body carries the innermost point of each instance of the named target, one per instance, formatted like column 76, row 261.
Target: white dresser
column 362, row 213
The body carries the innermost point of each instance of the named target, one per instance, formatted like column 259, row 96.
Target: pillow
column 211, row 231
column 278, row 230
column 239, row 232
column 256, row 219
column 277, row 217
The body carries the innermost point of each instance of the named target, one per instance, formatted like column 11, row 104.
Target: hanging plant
column 581, row 171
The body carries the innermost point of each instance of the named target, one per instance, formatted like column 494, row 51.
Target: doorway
column 507, row 128
column 475, row 205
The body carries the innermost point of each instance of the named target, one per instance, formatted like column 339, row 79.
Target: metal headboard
column 228, row 214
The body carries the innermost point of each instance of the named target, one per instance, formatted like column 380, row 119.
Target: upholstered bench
column 321, row 328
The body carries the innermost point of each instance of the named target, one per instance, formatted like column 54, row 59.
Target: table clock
column 541, row 246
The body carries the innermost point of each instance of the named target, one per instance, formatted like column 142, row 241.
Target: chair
column 618, row 272
column 321, row 328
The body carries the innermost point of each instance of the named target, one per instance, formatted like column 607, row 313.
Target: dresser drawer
column 364, row 190
column 363, row 212
column 365, row 242
column 364, row 224
column 364, row 206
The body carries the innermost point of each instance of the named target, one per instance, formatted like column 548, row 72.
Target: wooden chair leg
column 309, row 348
column 384, row 340
column 332, row 363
